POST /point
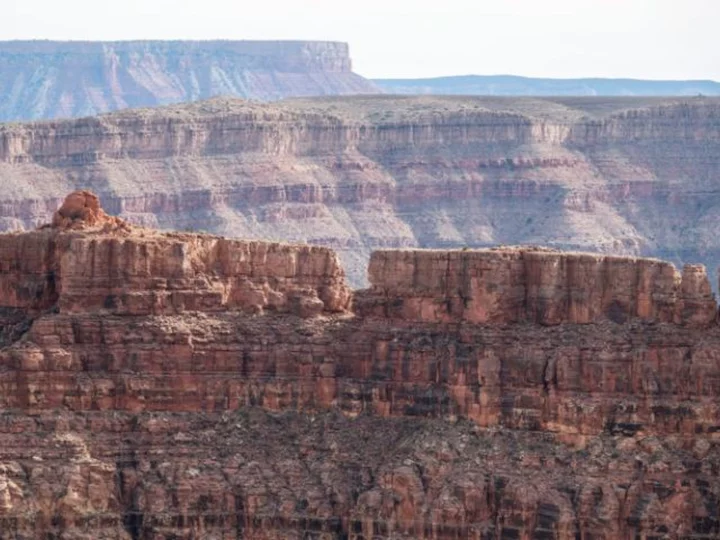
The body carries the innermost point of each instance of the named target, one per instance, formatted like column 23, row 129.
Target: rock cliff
column 51, row 79
column 508, row 393
column 633, row 176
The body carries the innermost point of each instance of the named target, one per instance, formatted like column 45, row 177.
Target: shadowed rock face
column 632, row 176
column 54, row 79
column 186, row 386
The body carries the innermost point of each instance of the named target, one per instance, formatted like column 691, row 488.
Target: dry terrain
column 630, row 176
column 180, row 386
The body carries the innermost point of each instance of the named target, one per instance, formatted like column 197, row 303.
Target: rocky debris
column 189, row 386
column 291, row 475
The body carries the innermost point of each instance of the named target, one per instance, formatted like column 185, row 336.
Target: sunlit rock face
column 174, row 385
column 622, row 176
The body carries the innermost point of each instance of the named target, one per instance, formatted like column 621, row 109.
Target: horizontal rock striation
column 51, row 79
column 117, row 270
column 183, row 386
column 538, row 286
column 621, row 176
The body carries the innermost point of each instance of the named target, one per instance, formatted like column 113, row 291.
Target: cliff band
column 622, row 176
column 186, row 386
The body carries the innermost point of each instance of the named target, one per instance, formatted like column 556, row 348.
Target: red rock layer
column 514, row 393
column 538, row 286
column 89, row 262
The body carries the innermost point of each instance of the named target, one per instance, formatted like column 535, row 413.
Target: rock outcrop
column 54, row 79
column 631, row 176
column 82, row 209
column 87, row 260
column 508, row 393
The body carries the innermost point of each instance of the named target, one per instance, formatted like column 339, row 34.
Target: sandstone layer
column 632, row 176
column 508, row 393
column 55, row 79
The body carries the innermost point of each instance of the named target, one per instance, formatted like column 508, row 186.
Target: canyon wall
column 55, row 79
column 537, row 286
column 630, row 176
column 506, row 393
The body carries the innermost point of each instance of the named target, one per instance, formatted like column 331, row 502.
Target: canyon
column 623, row 176
column 178, row 385
column 62, row 79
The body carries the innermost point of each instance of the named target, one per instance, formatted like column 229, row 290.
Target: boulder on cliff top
column 87, row 261
column 82, row 209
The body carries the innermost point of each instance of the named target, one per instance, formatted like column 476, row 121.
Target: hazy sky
column 418, row 38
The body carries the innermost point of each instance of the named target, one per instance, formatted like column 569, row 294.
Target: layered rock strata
column 512, row 393
column 88, row 261
column 54, row 79
column 623, row 176
column 507, row 286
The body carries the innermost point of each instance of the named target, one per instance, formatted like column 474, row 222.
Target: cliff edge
column 165, row 385
column 87, row 261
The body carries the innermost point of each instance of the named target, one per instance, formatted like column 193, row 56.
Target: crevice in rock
column 239, row 516
column 132, row 517
column 50, row 292
column 545, row 378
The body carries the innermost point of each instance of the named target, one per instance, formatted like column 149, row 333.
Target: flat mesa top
column 390, row 109
column 54, row 46
column 381, row 108
column 558, row 108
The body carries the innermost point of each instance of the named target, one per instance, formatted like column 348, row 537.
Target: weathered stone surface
column 514, row 393
column 88, row 261
column 501, row 286
column 623, row 176
column 82, row 209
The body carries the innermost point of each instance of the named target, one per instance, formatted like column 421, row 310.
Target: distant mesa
column 71, row 79
column 511, row 85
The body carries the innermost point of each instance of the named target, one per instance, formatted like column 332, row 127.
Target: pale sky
column 654, row 39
